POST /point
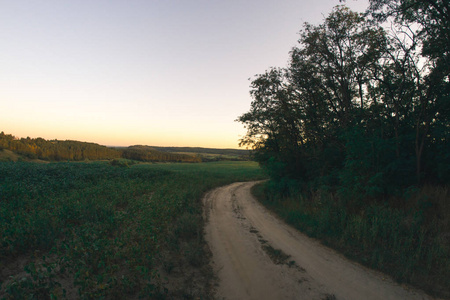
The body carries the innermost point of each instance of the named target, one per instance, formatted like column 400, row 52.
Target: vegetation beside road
column 354, row 134
column 409, row 242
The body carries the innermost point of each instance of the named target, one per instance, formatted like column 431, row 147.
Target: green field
column 93, row 230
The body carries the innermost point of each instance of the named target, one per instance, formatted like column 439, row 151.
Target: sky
column 148, row 72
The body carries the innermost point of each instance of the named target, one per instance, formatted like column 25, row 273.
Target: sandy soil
column 243, row 237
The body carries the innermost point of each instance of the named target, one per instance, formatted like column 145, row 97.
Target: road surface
column 257, row 256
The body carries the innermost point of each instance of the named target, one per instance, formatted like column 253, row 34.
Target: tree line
column 55, row 150
column 146, row 153
column 364, row 103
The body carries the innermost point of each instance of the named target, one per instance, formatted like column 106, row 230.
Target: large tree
column 299, row 112
column 432, row 16
column 424, row 27
column 359, row 104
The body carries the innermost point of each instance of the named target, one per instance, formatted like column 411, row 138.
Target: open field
column 10, row 156
column 92, row 230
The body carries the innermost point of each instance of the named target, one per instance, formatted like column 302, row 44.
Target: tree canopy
column 358, row 107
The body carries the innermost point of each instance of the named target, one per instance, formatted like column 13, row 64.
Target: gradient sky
column 162, row 73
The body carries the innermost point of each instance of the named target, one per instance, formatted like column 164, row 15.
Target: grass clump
column 121, row 162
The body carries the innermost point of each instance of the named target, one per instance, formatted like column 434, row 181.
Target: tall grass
column 410, row 242
column 93, row 230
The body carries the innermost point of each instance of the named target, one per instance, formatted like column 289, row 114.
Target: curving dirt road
column 257, row 256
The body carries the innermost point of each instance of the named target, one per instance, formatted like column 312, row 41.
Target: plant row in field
column 95, row 230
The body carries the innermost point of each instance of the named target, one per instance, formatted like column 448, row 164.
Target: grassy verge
column 94, row 230
column 411, row 242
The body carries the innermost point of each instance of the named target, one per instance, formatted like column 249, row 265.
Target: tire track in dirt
column 257, row 256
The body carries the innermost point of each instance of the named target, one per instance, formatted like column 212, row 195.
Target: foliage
column 209, row 154
column 354, row 129
column 56, row 150
column 432, row 17
column 30, row 149
column 95, row 231
column 146, row 153
column 358, row 107
column 120, row 162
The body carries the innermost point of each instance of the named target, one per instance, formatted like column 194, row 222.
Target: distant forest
column 146, row 153
column 55, row 150
column 209, row 154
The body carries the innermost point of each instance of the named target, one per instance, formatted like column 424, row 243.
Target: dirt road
column 257, row 256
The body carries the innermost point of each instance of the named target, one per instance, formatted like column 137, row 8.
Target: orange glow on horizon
column 123, row 138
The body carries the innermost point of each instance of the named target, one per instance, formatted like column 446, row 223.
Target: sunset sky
column 162, row 73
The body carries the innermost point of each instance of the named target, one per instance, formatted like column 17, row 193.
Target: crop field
column 94, row 230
